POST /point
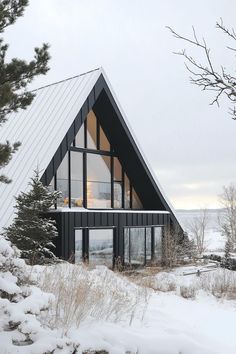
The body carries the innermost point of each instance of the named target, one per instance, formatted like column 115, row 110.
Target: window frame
column 85, row 151
column 86, row 240
column 152, row 227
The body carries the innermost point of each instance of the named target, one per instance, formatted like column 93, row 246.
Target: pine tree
column 31, row 231
column 15, row 75
column 227, row 261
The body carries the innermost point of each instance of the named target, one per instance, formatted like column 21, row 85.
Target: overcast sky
column 190, row 144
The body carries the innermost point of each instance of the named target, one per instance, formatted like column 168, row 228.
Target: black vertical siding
column 68, row 221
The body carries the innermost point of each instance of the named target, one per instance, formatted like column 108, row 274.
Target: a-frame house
column 111, row 206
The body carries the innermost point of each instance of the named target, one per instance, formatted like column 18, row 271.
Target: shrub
column 187, row 292
column 82, row 294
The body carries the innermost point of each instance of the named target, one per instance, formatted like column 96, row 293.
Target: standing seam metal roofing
column 41, row 128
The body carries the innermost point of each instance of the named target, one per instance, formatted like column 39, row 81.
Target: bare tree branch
column 205, row 75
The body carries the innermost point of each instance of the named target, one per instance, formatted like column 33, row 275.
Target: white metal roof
column 40, row 129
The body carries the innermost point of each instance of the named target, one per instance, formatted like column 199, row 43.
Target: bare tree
column 197, row 228
column 176, row 246
column 227, row 219
column 205, row 75
column 169, row 248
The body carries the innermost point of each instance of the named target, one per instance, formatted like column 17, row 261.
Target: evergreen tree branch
column 15, row 75
column 10, row 10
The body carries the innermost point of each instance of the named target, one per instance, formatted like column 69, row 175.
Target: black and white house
column 111, row 206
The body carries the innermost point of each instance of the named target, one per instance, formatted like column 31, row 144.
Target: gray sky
column 190, row 144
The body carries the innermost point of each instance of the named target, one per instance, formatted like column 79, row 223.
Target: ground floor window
column 158, row 236
column 137, row 245
column 101, row 247
column 78, row 246
column 94, row 246
column 142, row 245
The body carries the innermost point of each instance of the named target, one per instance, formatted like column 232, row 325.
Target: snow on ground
column 140, row 312
column 146, row 312
column 171, row 324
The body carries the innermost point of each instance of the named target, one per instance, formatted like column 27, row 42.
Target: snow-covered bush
column 90, row 295
column 21, row 303
column 187, row 292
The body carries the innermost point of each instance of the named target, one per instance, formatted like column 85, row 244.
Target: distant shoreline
column 197, row 210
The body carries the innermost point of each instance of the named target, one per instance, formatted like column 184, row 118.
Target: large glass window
column 148, row 244
column 158, row 244
column 117, row 176
column 101, row 247
column 137, row 246
column 142, row 245
column 127, row 192
column 51, row 188
column 98, row 181
column 134, row 245
column 78, row 246
column 90, row 173
column 51, row 185
column 126, row 246
column 79, row 139
column 63, row 183
column 91, row 131
column 76, row 179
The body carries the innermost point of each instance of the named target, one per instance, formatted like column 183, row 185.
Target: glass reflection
column 117, row 195
column 79, row 139
column 91, row 131
column 101, row 247
column 63, row 183
column 148, row 243
column 126, row 246
column 51, row 188
column 117, row 170
column 98, row 181
column 137, row 246
column 76, row 179
column 158, row 244
column 127, row 192
column 78, row 246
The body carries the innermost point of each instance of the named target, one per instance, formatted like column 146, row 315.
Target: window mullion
column 69, row 179
column 112, row 182
column 85, row 180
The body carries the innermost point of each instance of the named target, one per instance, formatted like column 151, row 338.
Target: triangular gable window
column 91, row 176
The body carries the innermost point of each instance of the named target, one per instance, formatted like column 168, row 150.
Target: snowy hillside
column 150, row 312
column 145, row 312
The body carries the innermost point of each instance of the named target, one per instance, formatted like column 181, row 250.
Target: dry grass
column 220, row 284
column 82, row 295
column 157, row 281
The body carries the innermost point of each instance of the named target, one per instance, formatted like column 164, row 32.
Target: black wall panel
column 68, row 221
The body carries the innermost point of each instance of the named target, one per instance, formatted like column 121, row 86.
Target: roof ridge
column 67, row 79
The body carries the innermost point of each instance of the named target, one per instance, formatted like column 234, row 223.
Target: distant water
column 214, row 240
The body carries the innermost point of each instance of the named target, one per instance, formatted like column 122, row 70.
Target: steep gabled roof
column 42, row 127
